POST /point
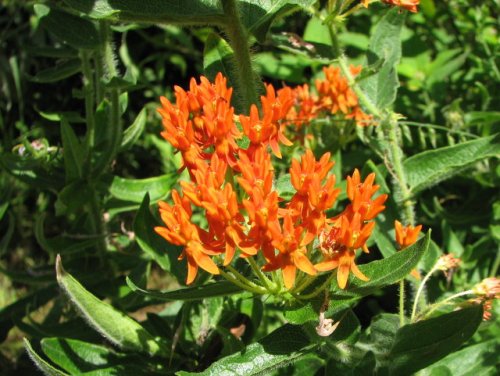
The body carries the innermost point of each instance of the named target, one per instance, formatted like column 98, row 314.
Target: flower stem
column 246, row 85
column 447, row 300
column 419, row 291
column 88, row 89
column 271, row 287
column 244, row 285
column 319, row 289
column 303, row 284
column 401, row 302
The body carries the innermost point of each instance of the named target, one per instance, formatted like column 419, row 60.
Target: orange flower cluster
column 409, row 5
column 234, row 188
column 406, row 235
column 334, row 96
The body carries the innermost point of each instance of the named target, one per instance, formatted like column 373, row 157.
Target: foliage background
column 449, row 78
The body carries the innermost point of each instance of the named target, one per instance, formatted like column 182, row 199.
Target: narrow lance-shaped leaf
column 433, row 166
column 116, row 326
column 209, row 290
column 134, row 189
column 421, row 344
column 387, row 271
column 385, row 45
column 76, row 356
column 42, row 364
column 132, row 133
column 58, row 72
column 73, row 152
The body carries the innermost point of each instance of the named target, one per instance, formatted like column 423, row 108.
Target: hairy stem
column 247, row 85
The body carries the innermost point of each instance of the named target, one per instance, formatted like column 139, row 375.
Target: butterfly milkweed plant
column 243, row 187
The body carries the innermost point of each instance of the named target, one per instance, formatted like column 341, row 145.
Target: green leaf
column 164, row 253
column 387, row 271
column 423, row 343
column 381, row 273
column 58, row 72
column 132, row 133
column 480, row 359
column 190, row 12
column 385, row 45
column 218, row 56
column 73, row 152
column 258, row 15
column 279, row 349
column 382, row 332
column 433, row 166
column 134, row 189
column 116, row 326
column 41, row 363
column 76, row 356
column 76, row 31
column 210, row 290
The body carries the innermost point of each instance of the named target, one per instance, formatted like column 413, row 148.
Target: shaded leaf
column 41, row 363
column 58, row 72
column 116, row 326
column 480, row 359
column 76, row 31
column 278, row 349
column 132, row 133
column 76, row 356
column 73, row 152
column 421, row 344
column 153, row 11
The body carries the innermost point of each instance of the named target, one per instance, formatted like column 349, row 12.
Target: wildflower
column 268, row 130
column 292, row 252
column 406, row 235
column 339, row 243
column 409, row 5
column 305, row 108
column 201, row 119
column 335, row 95
column 360, row 194
column 180, row 231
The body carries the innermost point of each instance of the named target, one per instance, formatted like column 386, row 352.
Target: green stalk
column 246, row 85
column 271, row 287
column 254, row 289
column 448, row 300
column 401, row 302
column 319, row 289
column 420, row 289
column 88, row 89
column 395, row 164
column 115, row 125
